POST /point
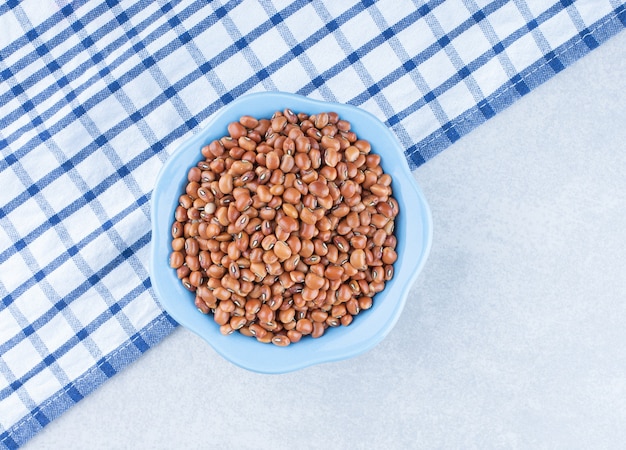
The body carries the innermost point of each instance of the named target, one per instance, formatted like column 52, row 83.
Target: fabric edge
column 27, row 427
column 533, row 76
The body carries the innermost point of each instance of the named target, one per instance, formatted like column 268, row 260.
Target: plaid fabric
column 95, row 95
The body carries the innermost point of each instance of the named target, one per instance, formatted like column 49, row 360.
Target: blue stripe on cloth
column 313, row 38
column 95, row 94
column 532, row 77
column 89, row 381
column 61, row 306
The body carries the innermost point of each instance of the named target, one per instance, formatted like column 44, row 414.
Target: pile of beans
column 285, row 227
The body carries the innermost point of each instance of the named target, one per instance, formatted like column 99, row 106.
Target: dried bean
column 286, row 227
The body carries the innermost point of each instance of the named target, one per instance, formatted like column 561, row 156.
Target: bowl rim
column 220, row 119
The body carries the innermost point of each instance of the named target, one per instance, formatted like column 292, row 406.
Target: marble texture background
column 513, row 336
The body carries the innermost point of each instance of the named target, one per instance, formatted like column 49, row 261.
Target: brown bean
column 379, row 221
column 292, row 196
column 307, row 248
column 194, row 174
column 388, row 272
column 259, row 270
column 267, row 227
column 346, row 320
column 263, row 193
column 185, row 201
column 342, row 171
column 181, row 214
column 177, row 259
column 290, row 210
column 246, row 143
column 319, row 188
column 288, row 224
column 313, row 281
column 269, row 257
column 304, row 326
column 281, row 235
column 232, row 213
column 341, row 210
column 379, row 190
column 281, row 340
column 319, row 315
column 249, row 122
column 352, row 219
column 254, row 220
column 277, row 190
column 278, row 123
column 357, row 259
column 303, row 145
column 256, row 239
column 287, row 163
column 266, row 214
column 237, row 322
column 344, row 293
column 390, row 241
column 257, row 330
column 318, row 330
column 268, row 242
column 325, row 202
column 331, row 157
column 363, row 146
column 196, row 279
column 287, row 315
column 227, row 305
column 233, row 270
column 379, row 237
column 389, row 255
column 307, row 216
column 297, row 276
column 309, row 294
column 238, row 168
column 192, row 262
column 351, row 153
column 221, row 316
column 341, row 243
column 282, row 250
column 365, row 302
column 253, row 306
column 226, row 183
column 242, row 241
column 300, row 186
column 322, row 119
column 294, row 336
column 265, row 314
column 307, row 231
column 309, row 201
column 178, row 244
column 348, row 188
column 201, row 305
column 320, row 247
column 276, row 300
column 352, row 306
column 236, row 130
column 272, row 160
column 358, row 241
column 329, row 142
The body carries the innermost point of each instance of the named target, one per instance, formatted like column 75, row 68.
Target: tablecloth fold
column 95, row 95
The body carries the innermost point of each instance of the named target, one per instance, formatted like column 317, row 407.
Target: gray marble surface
column 514, row 335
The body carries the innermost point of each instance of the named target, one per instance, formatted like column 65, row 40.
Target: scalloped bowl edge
column 371, row 326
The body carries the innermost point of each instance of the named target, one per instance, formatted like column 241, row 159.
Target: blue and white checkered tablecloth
column 94, row 95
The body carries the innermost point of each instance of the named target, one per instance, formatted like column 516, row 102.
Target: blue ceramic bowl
column 413, row 232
